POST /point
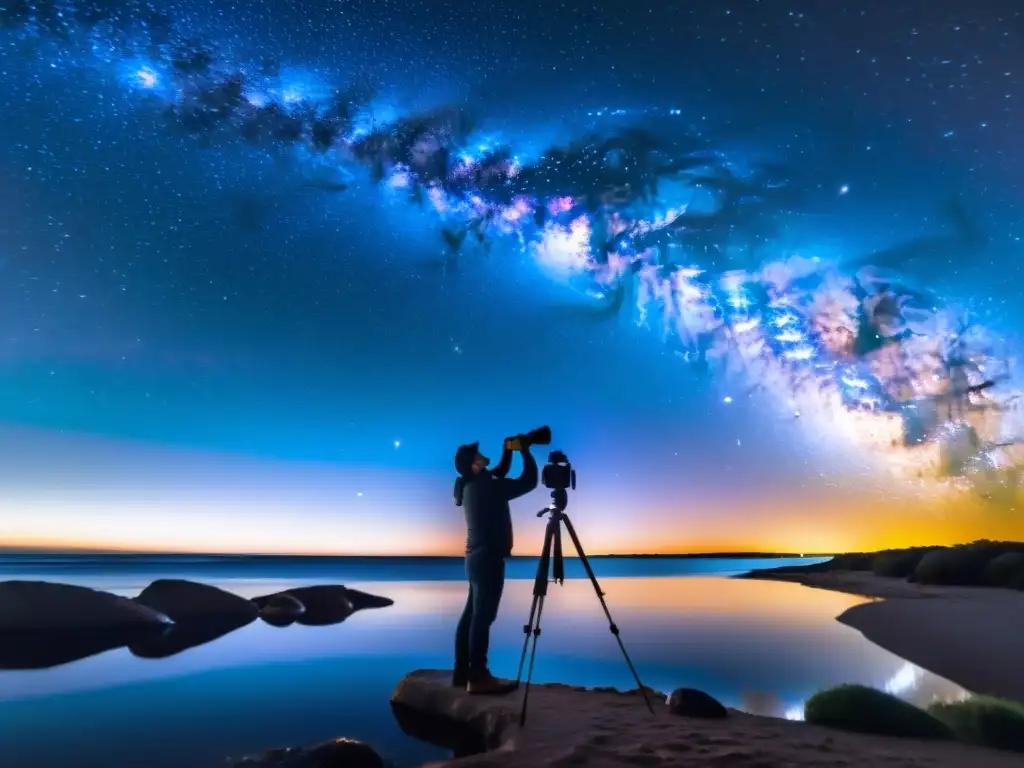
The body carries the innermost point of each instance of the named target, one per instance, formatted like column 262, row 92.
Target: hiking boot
column 460, row 679
column 486, row 684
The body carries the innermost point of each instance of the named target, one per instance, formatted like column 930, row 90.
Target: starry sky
column 211, row 346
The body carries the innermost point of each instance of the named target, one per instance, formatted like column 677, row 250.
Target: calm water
column 759, row 646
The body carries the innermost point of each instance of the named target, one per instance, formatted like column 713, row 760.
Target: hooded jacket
column 484, row 498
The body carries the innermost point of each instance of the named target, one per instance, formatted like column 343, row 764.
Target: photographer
column 484, row 495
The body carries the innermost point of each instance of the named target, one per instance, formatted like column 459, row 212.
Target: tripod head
column 559, row 501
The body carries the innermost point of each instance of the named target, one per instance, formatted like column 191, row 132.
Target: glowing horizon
column 125, row 496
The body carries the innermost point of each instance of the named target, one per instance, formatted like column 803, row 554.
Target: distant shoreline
column 18, row 552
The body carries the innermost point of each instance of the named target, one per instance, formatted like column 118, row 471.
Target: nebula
column 847, row 347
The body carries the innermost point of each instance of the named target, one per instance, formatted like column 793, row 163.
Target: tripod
column 551, row 558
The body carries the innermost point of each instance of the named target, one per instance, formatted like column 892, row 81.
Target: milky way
column 847, row 346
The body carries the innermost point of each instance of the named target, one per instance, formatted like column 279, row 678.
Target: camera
column 539, row 436
column 558, row 474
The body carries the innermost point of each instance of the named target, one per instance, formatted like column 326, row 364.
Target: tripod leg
column 612, row 626
column 533, row 657
column 558, row 568
column 527, row 631
column 540, row 589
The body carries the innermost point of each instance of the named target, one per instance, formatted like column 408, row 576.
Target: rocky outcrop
column 191, row 602
column 339, row 753
column 43, row 606
column 325, row 604
column 494, row 720
column 569, row 726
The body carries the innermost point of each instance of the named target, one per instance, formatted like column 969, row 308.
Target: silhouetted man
column 484, row 495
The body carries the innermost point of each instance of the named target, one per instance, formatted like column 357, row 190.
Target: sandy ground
column 576, row 727
column 972, row 636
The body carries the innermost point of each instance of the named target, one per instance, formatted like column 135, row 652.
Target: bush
column 964, row 566
column 1006, row 570
column 867, row 710
column 897, row 563
column 984, row 721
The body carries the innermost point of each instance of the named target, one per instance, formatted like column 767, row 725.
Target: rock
column 439, row 730
column 39, row 605
column 494, row 720
column 689, row 702
column 339, row 753
column 362, row 600
column 189, row 601
column 281, row 609
column 327, row 603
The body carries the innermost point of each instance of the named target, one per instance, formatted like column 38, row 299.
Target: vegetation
column 868, row 710
column 952, row 566
column 981, row 563
column 984, row 721
column 972, row 565
column 897, row 563
column 1006, row 570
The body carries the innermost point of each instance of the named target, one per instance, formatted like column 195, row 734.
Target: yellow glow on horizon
column 132, row 498
column 849, row 527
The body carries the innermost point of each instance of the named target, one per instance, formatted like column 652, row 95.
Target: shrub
column 897, row 563
column 963, row 566
column 1006, row 570
column 867, row 710
column 984, row 721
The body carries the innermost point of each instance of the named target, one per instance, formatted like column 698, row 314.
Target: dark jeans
column 486, row 574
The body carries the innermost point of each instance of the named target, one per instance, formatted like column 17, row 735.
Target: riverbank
column 574, row 726
column 968, row 635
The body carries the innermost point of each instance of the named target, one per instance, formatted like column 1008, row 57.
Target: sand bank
column 574, row 727
column 972, row 636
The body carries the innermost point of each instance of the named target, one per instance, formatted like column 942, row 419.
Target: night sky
column 212, row 344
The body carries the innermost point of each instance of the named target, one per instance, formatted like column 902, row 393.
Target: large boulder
column 338, row 753
column 43, row 606
column 189, row 601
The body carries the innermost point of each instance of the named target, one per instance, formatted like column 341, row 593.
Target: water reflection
column 756, row 645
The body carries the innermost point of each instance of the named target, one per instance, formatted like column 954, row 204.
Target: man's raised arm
column 526, row 482
column 504, row 465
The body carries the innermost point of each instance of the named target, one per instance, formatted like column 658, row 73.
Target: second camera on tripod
column 558, row 474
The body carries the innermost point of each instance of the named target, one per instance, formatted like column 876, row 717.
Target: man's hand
column 514, row 443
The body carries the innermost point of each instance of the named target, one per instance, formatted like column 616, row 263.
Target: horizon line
column 168, row 553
